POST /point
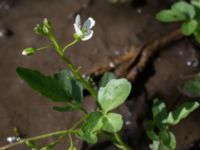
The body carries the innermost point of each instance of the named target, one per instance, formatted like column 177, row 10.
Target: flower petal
column 88, row 35
column 78, row 30
column 88, row 24
column 78, row 21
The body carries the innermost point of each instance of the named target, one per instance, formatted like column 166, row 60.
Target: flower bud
column 28, row 51
column 44, row 28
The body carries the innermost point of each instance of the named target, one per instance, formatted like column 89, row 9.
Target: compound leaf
column 151, row 131
column 170, row 16
column 159, row 111
column 181, row 112
column 112, row 122
column 155, row 145
column 193, row 86
column 90, row 128
column 185, row 8
column 168, row 139
column 106, row 78
column 113, row 94
column 197, row 34
column 189, row 27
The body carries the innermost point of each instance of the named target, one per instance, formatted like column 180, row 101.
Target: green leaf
column 31, row 144
column 189, row 27
column 70, row 84
column 172, row 143
column 185, row 8
column 45, row 85
column 91, row 127
column 196, row 3
column 170, row 16
column 151, row 131
column 113, row 94
column 159, row 111
column 197, row 34
column 197, row 10
column 181, row 112
column 193, row 86
column 67, row 107
column 106, row 78
column 155, row 145
column 179, row 11
column 112, row 122
column 168, row 139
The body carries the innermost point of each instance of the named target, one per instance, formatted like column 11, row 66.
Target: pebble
column 180, row 52
column 139, row 11
column 193, row 60
column 116, row 53
column 193, row 63
column 12, row 139
column 128, row 122
column 111, row 64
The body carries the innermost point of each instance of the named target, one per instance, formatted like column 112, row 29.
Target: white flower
column 84, row 32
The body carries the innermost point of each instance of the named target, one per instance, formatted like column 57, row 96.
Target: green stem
column 42, row 48
column 79, row 122
column 79, row 76
column 69, row 45
column 71, row 65
column 120, row 143
column 82, row 109
column 56, row 45
column 36, row 138
column 57, row 141
column 70, row 141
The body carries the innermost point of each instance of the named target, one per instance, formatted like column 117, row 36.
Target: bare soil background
column 118, row 27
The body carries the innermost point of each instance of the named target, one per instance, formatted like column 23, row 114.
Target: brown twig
column 122, row 70
column 133, row 62
column 150, row 49
column 98, row 70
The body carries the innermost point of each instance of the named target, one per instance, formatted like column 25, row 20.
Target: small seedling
column 67, row 86
column 185, row 12
column 158, row 129
column 192, row 87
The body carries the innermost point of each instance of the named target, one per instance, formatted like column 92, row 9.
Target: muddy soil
column 117, row 28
